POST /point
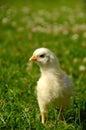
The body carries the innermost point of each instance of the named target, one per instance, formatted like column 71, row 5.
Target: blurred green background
column 59, row 25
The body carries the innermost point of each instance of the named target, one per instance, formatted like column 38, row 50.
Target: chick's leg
column 43, row 118
column 60, row 114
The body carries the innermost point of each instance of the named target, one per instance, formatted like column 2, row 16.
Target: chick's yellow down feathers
column 53, row 86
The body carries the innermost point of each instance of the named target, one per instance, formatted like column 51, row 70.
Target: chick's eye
column 42, row 56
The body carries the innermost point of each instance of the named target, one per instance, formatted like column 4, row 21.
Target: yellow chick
column 53, row 86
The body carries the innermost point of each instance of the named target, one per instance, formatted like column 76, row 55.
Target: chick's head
column 44, row 57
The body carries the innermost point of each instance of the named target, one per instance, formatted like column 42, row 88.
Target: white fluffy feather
column 54, row 86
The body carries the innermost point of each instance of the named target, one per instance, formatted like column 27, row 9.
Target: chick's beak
column 33, row 58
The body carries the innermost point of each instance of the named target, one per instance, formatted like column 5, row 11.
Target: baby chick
column 54, row 86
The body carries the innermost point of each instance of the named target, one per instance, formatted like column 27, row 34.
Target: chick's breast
column 48, row 90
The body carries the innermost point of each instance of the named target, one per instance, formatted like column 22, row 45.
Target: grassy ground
column 25, row 26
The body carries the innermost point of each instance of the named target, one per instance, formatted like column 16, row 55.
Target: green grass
column 25, row 26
